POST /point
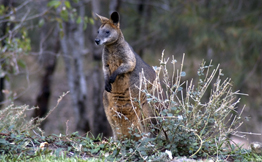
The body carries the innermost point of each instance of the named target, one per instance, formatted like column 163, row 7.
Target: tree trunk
column 98, row 121
column 141, row 28
column 49, row 41
column 72, row 44
column 114, row 6
column 44, row 94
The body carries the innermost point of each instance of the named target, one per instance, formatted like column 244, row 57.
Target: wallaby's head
column 109, row 31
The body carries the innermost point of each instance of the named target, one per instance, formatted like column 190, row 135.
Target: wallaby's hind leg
column 149, row 120
column 107, row 108
column 129, row 123
column 124, row 120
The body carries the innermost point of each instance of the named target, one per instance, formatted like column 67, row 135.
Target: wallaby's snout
column 97, row 41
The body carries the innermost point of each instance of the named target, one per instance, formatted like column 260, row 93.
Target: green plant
column 191, row 121
column 16, row 131
column 13, row 119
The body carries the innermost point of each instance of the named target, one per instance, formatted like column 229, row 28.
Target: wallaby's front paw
column 112, row 78
column 108, row 87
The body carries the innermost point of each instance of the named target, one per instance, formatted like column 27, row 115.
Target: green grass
column 50, row 158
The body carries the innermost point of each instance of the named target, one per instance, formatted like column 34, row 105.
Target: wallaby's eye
column 107, row 32
column 98, row 32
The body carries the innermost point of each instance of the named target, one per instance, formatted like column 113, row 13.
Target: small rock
column 183, row 159
column 43, row 145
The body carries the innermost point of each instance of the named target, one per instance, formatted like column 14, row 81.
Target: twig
column 201, row 143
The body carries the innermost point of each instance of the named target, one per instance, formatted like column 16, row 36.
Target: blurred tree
column 14, row 43
column 98, row 120
column 114, row 5
column 73, row 48
column 141, row 26
column 49, row 46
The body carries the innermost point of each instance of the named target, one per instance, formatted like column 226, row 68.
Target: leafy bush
column 191, row 121
column 16, row 130
column 13, row 119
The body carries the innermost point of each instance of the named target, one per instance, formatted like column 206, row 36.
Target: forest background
column 47, row 48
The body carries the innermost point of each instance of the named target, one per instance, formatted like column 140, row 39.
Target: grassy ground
column 58, row 148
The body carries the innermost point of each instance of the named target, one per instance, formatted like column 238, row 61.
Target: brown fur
column 121, row 66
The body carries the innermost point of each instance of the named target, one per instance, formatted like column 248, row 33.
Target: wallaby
column 121, row 67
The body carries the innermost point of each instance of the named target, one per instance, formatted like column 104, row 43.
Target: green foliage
column 2, row 9
column 11, row 51
column 54, row 3
column 15, row 42
column 188, row 124
column 68, row 13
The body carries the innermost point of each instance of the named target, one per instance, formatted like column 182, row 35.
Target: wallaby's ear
column 115, row 18
column 102, row 18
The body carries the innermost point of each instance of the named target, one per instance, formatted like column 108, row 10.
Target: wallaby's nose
column 97, row 41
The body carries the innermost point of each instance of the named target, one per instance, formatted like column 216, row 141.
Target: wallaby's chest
column 113, row 62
